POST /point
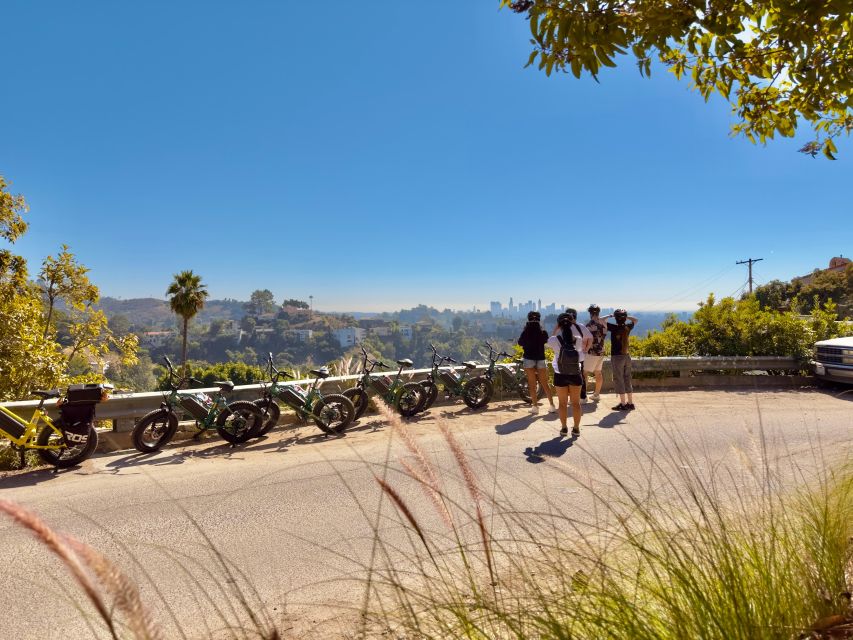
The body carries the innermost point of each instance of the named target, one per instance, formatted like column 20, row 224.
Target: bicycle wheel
column 524, row 391
column 239, row 420
column 333, row 413
column 359, row 399
column 409, row 399
column 270, row 413
column 477, row 392
column 430, row 393
column 154, row 430
column 68, row 456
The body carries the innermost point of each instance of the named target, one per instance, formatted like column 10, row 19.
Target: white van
column 833, row 360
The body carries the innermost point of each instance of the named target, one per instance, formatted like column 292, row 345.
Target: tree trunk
column 184, row 349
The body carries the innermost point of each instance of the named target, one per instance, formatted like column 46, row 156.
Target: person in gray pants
column 620, row 357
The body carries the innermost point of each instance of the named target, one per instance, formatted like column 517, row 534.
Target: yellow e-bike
column 63, row 442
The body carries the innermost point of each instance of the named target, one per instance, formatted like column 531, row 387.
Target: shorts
column 592, row 364
column 534, row 364
column 567, row 380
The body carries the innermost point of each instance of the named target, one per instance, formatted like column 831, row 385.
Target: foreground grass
column 761, row 549
column 759, row 552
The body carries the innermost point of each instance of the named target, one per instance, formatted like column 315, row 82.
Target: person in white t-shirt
column 569, row 385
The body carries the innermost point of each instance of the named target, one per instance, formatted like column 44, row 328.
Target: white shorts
column 592, row 364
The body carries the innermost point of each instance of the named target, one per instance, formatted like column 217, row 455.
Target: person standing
column 620, row 357
column 532, row 340
column 594, row 360
column 587, row 343
column 568, row 335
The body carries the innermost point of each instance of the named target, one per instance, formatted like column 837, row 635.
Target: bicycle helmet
column 573, row 313
column 533, row 316
column 565, row 320
column 594, row 308
column 621, row 316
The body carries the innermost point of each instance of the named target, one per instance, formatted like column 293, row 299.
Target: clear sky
column 381, row 154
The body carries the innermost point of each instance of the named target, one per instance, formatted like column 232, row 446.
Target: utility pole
column 311, row 307
column 750, row 262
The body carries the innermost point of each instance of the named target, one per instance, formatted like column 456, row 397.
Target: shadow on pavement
column 612, row 419
column 519, row 424
column 553, row 448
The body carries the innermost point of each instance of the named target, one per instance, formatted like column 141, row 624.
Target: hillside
column 154, row 313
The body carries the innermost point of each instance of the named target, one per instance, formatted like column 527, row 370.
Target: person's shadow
column 512, row 426
column 612, row 419
column 553, row 448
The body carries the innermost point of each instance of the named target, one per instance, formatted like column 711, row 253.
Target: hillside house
column 836, row 265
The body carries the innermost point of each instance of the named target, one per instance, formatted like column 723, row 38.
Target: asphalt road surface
column 294, row 513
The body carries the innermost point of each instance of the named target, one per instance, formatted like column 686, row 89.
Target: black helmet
column 621, row 316
column 573, row 313
column 565, row 320
column 594, row 308
column 533, row 316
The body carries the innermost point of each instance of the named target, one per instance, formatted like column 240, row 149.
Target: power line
column 693, row 289
column 750, row 262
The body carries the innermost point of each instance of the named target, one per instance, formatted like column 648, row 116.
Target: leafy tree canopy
column 775, row 61
column 293, row 302
column 260, row 302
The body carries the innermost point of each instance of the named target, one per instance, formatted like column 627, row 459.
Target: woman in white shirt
column 569, row 384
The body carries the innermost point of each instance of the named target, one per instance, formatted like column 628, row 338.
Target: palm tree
column 187, row 299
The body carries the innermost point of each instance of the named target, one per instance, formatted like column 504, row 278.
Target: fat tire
column 477, row 399
column 56, row 456
column 359, row 398
column 270, row 412
column 430, row 393
column 346, row 413
column 406, row 408
column 251, row 421
column 148, row 419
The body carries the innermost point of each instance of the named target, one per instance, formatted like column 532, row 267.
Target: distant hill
column 151, row 312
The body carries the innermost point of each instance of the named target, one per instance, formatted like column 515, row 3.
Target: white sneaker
column 595, row 397
column 552, row 409
column 534, row 409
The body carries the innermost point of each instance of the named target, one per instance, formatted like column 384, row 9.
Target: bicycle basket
column 84, row 393
column 11, row 426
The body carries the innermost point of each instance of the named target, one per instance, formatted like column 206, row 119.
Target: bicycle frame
column 172, row 401
column 31, row 428
column 365, row 382
column 275, row 390
column 458, row 385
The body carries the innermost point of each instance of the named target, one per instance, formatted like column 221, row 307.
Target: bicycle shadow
column 553, row 448
column 26, row 478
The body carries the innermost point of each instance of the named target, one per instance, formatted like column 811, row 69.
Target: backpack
column 568, row 360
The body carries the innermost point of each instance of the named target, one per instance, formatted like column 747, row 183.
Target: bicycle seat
column 404, row 362
column 470, row 365
column 224, row 385
column 320, row 373
column 52, row 393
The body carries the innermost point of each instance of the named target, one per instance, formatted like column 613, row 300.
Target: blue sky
column 381, row 154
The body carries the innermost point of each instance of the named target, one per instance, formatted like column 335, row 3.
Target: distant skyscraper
column 495, row 308
column 539, row 306
column 511, row 308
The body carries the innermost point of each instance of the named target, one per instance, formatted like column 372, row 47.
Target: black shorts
column 567, row 380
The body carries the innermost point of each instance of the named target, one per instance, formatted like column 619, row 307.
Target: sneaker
column 552, row 409
column 534, row 410
column 620, row 407
column 564, row 431
column 595, row 397
column 630, row 406
column 576, row 431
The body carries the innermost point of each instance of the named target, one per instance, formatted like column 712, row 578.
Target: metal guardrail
column 126, row 406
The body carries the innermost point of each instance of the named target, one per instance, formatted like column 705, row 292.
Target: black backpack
column 568, row 360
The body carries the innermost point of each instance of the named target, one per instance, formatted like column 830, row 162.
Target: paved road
column 294, row 511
